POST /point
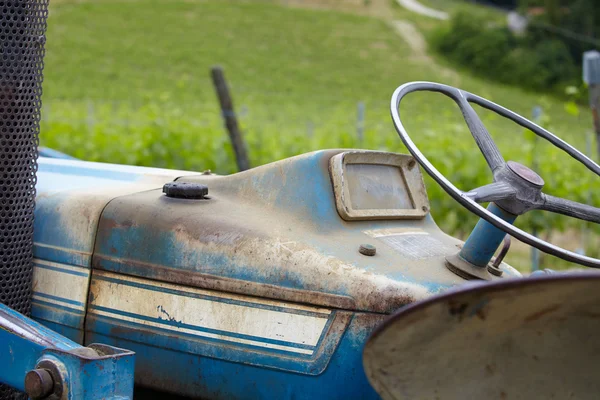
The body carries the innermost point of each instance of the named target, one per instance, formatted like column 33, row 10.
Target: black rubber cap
column 185, row 190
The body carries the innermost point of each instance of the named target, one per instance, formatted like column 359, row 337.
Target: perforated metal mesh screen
column 22, row 39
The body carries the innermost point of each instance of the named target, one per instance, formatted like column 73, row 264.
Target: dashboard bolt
column 367, row 250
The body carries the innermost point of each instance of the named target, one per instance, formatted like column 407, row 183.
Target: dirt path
column 413, row 37
column 383, row 9
column 418, row 47
column 415, row 6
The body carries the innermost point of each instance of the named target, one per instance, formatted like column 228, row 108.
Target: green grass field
column 128, row 82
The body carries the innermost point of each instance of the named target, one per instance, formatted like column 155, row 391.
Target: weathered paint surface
column 70, row 198
column 275, row 232
column 532, row 338
column 60, row 296
column 196, row 376
column 237, row 328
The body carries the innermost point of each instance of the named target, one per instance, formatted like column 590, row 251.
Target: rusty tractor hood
column 274, row 231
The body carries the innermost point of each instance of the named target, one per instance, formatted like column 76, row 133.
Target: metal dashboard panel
column 372, row 185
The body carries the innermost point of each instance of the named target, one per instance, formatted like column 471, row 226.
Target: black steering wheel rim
column 459, row 195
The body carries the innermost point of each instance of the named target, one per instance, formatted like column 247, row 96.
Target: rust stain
column 390, row 298
column 457, row 308
column 481, row 314
column 591, row 314
column 541, row 313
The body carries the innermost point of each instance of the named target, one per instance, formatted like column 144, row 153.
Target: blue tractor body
column 259, row 290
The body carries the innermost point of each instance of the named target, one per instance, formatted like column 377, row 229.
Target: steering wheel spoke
column 480, row 133
column 569, row 208
column 493, row 192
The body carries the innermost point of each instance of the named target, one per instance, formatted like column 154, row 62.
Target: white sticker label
column 413, row 245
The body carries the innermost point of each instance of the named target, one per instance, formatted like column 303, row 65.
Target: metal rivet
column 38, row 383
column 424, row 208
column 367, row 250
column 411, row 164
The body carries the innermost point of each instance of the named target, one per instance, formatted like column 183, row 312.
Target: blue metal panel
column 165, row 321
column 71, row 195
column 206, row 377
column 108, row 376
column 485, row 239
column 23, row 341
column 63, row 329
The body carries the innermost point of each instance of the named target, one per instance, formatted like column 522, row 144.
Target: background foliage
column 547, row 57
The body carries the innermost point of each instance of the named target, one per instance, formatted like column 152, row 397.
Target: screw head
column 367, row 250
column 38, row 383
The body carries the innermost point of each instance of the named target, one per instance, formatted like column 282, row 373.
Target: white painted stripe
column 57, row 302
column 209, row 314
column 61, row 284
column 202, row 334
column 222, row 295
column 59, row 265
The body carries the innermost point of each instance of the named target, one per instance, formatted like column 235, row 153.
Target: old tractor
column 318, row 276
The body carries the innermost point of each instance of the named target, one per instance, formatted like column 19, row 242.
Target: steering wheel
column 516, row 189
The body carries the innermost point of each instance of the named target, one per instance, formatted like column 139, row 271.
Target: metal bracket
column 47, row 365
column 466, row 270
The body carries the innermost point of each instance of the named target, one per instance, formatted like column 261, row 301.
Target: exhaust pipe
column 22, row 42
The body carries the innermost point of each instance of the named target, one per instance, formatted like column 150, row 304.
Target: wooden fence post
column 591, row 76
column 595, row 106
column 237, row 140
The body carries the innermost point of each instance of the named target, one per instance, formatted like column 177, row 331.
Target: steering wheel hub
column 526, row 173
